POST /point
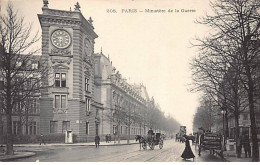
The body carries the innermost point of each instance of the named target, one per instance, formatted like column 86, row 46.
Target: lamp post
column 223, row 112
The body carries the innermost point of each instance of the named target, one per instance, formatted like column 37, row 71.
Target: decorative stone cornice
column 55, row 51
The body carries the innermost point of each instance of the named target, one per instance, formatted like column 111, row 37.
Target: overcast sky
column 149, row 48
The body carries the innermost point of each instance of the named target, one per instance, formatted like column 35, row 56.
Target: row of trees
column 20, row 72
column 131, row 115
column 227, row 66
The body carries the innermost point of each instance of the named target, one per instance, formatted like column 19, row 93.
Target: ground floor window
column 53, row 126
column 16, row 127
column 32, row 128
column 87, row 128
column 65, row 126
column 1, row 127
column 114, row 129
column 96, row 129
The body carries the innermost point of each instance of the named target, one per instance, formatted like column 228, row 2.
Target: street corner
column 17, row 155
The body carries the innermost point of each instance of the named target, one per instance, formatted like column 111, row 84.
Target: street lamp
column 224, row 112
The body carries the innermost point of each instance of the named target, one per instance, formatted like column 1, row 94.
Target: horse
column 141, row 140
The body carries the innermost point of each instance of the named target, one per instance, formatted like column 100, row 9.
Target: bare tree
column 235, row 26
column 21, row 77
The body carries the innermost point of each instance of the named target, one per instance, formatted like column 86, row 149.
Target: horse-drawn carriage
column 212, row 142
column 151, row 141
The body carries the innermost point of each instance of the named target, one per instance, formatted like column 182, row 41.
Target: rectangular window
column 87, row 84
column 33, row 106
column 16, row 128
column 65, row 126
column 53, row 126
column 57, row 101
column 32, row 128
column 87, row 128
column 114, row 129
column 60, row 79
column 57, row 80
column 97, row 129
column 60, row 101
column 245, row 116
column 63, row 101
column 1, row 127
column 63, row 80
column 87, row 105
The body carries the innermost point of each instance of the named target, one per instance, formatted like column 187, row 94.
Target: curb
column 13, row 157
column 75, row 144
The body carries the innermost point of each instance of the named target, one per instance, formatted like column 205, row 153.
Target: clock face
column 88, row 47
column 60, row 38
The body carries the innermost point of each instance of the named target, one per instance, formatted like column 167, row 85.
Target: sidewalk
column 102, row 143
column 231, row 156
column 18, row 155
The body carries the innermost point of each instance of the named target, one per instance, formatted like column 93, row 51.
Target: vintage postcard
column 129, row 81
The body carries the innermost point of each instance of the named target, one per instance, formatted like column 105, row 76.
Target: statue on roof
column 45, row 3
column 77, row 7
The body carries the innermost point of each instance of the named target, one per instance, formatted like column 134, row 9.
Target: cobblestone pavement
column 119, row 153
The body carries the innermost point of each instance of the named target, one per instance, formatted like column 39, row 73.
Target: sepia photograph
column 129, row 81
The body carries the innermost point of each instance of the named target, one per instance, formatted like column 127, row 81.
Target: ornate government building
column 86, row 94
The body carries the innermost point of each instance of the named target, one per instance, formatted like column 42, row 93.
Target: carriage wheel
column 144, row 146
column 161, row 144
column 152, row 145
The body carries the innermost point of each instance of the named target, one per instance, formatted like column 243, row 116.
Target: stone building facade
column 126, row 106
column 83, row 92
column 71, row 100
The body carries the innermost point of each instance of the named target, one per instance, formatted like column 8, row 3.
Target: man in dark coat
column 246, row 145
column 150, row 133
column 42, row 139
column 106, row 138
column 97, row 140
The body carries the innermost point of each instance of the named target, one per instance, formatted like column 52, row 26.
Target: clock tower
column 67, row 49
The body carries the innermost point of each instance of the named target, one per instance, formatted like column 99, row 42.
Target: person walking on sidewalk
column 107, row 138
column 97, row 140
column 42, row 139
column 246, row 145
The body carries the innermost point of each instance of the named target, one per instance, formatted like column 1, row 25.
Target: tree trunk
column 128, row 132
column 255, row 149
column 118, row 133
column 9, row 137
column 226, row 119
column 238, row 145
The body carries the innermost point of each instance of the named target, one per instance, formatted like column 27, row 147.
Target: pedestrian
column 187, row 153
column 239, row 146
column 246, row 145
column 97, row 140
column 42, row 139
column 106, row 138
column 109, row 138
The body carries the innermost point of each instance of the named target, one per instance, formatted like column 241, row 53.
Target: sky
column 149, row 48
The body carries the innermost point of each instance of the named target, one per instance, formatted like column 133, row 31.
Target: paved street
column 121, row 153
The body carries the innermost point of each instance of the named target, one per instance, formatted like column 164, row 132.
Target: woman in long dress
column 187, row 153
